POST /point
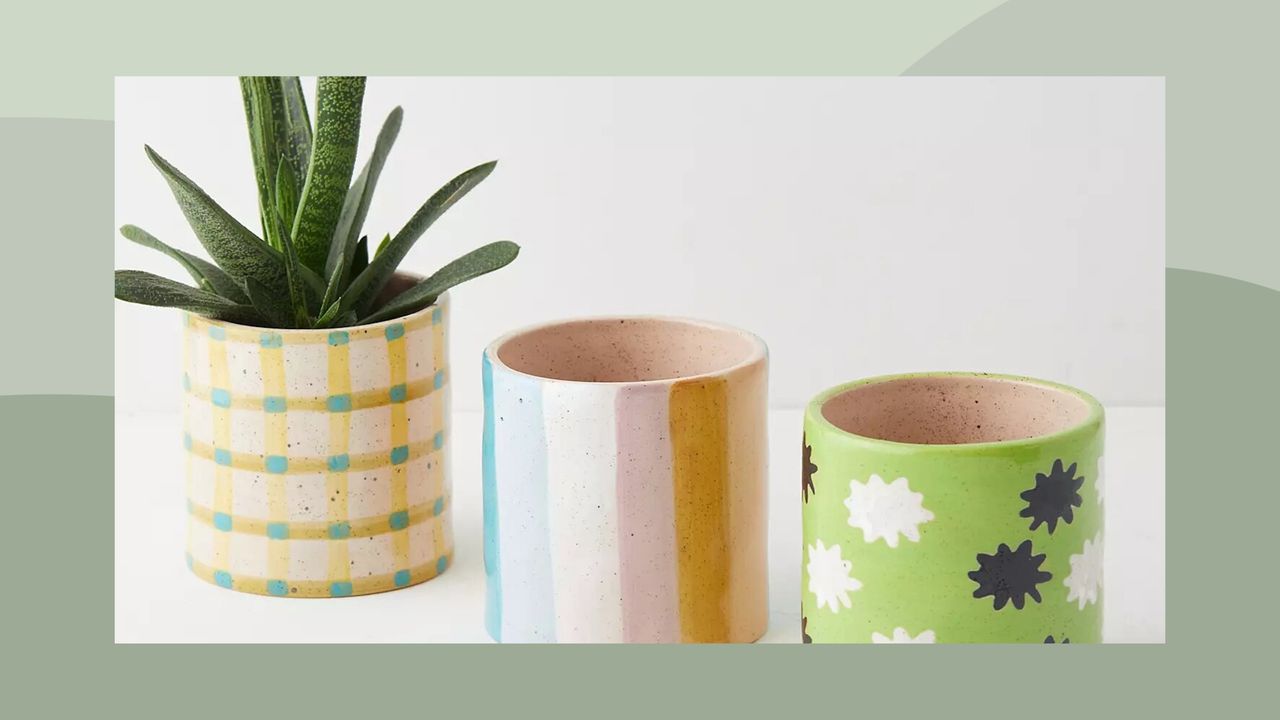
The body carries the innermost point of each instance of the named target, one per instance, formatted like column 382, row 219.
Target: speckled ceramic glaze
column 952, row 508
column 315, row 458
column 624, row 483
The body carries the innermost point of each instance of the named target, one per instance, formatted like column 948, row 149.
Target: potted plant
column 315, row 374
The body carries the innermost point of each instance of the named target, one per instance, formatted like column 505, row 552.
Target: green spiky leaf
column 333, row 157
column 286, row 194
column 297, row 122
column 364, row 290
column 268, row 305
column 298, row 286
column 279, row 135
column 360, row 260
column 356, row 205
column 472, row 265
column 137, row 286
column 236, row 250
column 207, row 275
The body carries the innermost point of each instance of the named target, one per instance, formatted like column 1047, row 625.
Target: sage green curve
column 952, row 508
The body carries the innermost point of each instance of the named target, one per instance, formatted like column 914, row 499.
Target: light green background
column 1223, row 350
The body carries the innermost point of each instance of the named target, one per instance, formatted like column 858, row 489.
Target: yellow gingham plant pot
column 316, row 459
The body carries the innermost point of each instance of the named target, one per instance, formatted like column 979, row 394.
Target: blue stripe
column 520, row 462
column 493, row 594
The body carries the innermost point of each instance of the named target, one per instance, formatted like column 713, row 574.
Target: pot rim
column 814, row 417
column 759, row 350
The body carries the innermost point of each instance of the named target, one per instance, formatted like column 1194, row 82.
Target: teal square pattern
column 399, row 454
column 399, row 520
column 398, row 393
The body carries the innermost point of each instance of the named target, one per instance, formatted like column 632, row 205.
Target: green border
column 1218, row 60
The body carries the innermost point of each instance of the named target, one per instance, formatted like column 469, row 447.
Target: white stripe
column 581, row 429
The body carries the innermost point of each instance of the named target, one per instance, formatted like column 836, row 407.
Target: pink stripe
column 646, row 517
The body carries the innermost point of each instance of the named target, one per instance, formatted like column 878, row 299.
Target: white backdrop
column 859, row 225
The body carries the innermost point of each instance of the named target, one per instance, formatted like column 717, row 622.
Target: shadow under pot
column 952, row 508
column 625, row 482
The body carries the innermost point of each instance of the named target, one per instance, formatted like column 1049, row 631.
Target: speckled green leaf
column 333, row 157
column 364, row 290
column 356, row 205
column 286, row 194
column 297, row 150
column 472, row 265
column 207, row 275
column 136, row 286
column 299, row 293
column 279, row 135
column 231, row 245
column 274, row 313
column 333, row 290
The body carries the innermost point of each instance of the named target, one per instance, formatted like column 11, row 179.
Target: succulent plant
column 311, row 268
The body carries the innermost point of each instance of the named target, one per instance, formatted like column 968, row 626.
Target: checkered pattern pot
column 316, row 459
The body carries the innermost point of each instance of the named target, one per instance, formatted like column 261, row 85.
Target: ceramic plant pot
column 316, row 459
column 624, row 483
column 952, row 508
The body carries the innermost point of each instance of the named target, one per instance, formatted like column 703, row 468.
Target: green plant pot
column 952, row 507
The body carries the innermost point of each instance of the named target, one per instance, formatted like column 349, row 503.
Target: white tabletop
column 158, row 600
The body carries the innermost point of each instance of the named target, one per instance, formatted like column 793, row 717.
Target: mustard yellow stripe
column 339, row 442
column 240, row 334
column 397, row 358
column 362, row 400
column 320, row 529
column 700, row 472
column 322, row 588
column 219, row 376
column 276, row 434
column 359, row 462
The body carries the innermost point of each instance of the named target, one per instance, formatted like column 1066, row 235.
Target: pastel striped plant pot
column 316, row 459
column 624, row 483
column 952, row 508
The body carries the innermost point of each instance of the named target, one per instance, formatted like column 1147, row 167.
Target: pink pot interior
column 952, row 410
column 626, row 350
